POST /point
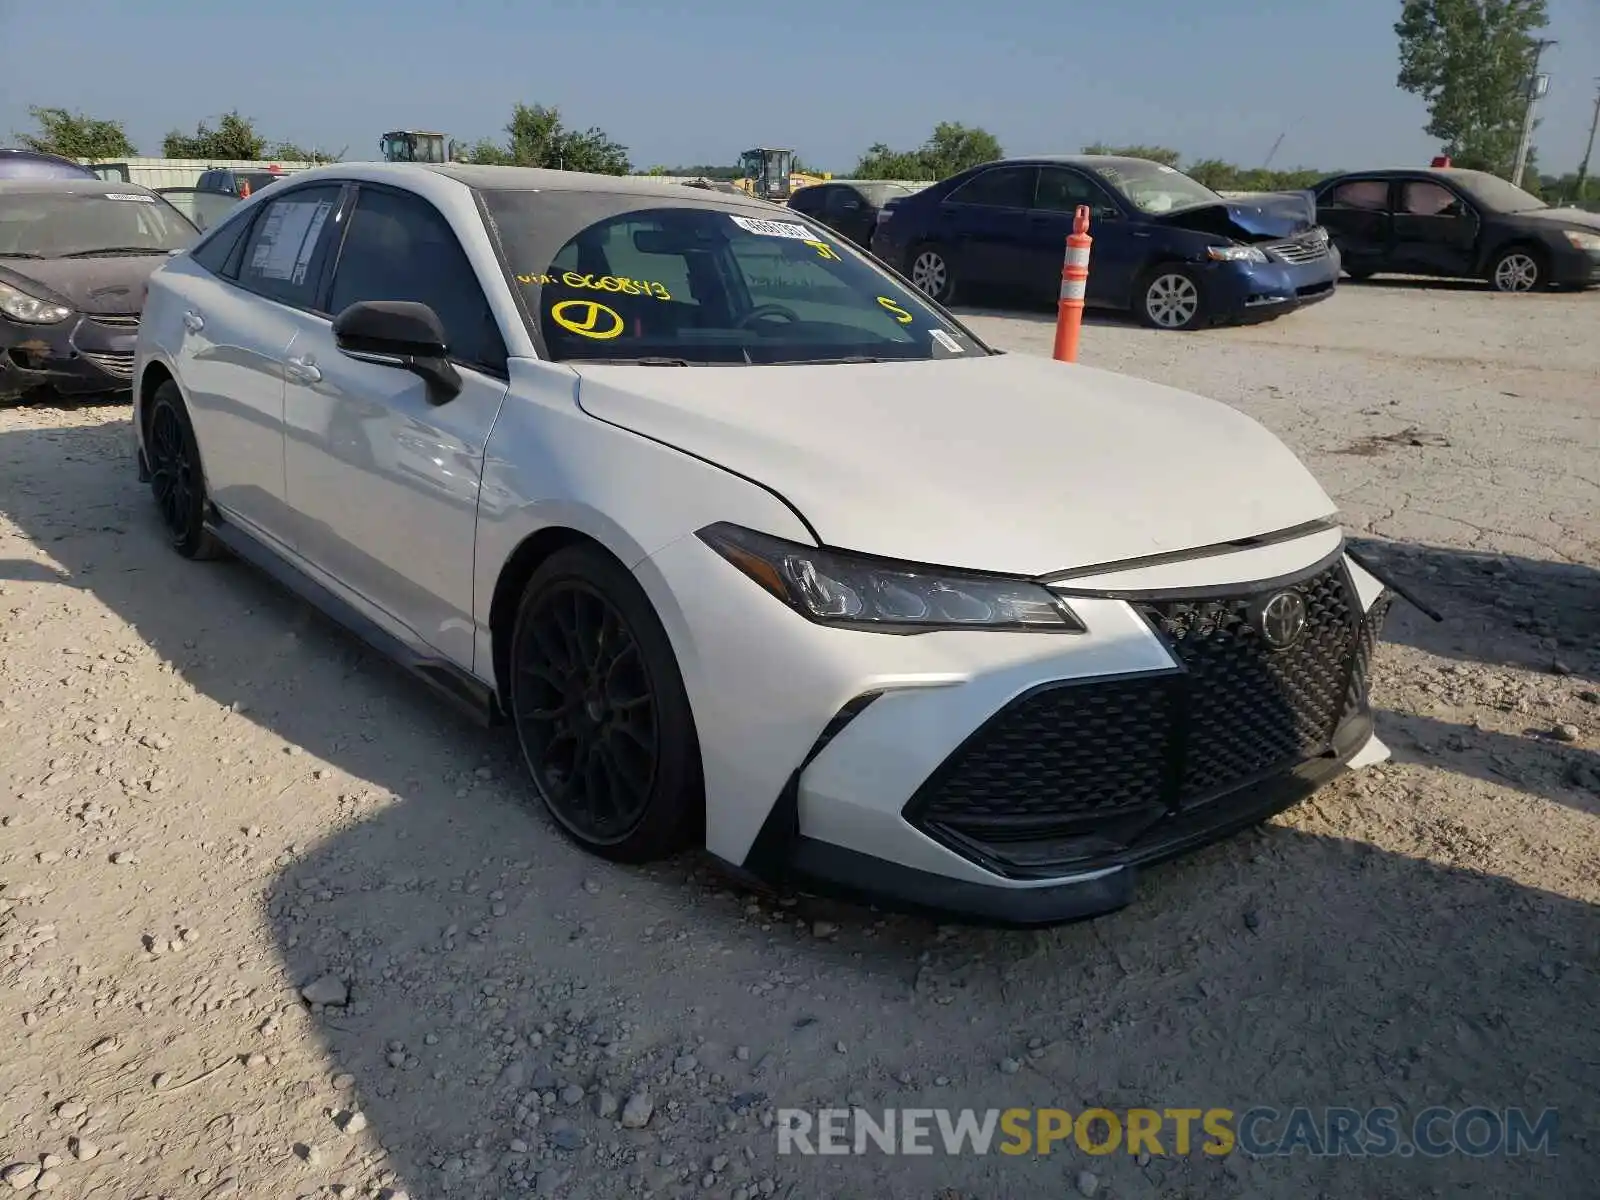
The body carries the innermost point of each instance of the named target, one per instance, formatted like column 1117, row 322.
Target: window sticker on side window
column 288, row 239
column 782, row 229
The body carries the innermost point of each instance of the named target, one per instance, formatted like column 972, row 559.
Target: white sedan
column 754, row 546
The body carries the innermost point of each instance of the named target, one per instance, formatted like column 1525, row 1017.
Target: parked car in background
column 1453, row 223
column 32, row 164
column 75, row 255
column 240, row 182
column 1175, row 252
column 204, row 208
column 849, row 207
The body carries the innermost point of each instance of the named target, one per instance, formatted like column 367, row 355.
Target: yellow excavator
column 416, row 145
column 770, row 175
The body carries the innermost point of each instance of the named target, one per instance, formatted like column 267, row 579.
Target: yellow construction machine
column 770, row 175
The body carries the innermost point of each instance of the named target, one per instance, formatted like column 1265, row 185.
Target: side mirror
column 403, row 334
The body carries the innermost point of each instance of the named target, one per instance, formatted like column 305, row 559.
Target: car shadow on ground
column 495, row 995
column 1498, row 609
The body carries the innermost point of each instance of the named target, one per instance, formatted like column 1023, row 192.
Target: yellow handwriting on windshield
column 900, row 314
column 599, row 283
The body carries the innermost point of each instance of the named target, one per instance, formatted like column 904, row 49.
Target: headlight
column 1236, row 254
column 1583, row 241
column 856, row 592
column 31, row 310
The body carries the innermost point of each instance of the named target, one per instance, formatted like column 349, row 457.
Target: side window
column 1061, row 190
column 810, row 200
column 399, row 247
column 1369, row 195
column 1422, row 199
column 999, row 187
column 284, row 252
column 215, row 252
column 842, row 201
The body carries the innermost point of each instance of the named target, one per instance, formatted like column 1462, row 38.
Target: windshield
column 1496, row 194
column 63, row 224
column 1151, row 187
column 705, row 284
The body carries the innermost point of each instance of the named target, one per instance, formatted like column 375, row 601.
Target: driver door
column 383, row 474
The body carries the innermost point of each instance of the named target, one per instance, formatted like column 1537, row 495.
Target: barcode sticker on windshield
column 945, row 340
column 783, row 229
column 130, row 196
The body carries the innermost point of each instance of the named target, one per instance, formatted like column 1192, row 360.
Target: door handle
column 193, row 321
column 303, row 370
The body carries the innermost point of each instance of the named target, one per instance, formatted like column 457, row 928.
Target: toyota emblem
column 1283, row 620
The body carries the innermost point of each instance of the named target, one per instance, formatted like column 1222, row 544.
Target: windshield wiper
column 648, row 361
column 853, row 358
column 109, row 250
column 18, row 254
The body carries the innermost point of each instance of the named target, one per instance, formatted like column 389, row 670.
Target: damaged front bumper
column 81, row 356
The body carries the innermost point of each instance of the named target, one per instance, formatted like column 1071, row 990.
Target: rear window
column 708, row 285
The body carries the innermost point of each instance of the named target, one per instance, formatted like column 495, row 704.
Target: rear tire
column 1518, row 269
column 931, row 274
column 177, row 478
column 601, row 713
column 1170, row 297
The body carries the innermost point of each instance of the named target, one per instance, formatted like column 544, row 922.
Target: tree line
column 534, row 137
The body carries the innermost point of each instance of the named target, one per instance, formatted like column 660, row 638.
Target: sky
column 704, row 82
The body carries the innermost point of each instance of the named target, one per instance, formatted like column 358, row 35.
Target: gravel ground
column 212, row 800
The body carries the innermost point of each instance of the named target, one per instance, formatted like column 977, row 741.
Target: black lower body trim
column 794, row 860
column 467, row 694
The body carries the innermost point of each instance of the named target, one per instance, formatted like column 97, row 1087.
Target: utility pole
column 1583, row 167
column 1539, row 48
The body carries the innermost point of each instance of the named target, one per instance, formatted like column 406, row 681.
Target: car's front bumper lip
column 784, row 856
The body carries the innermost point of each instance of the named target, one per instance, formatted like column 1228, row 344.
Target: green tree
column 537, row 138
column 234, row 137
column 74, row 135
column 1160, row 154
column 290, row 152
column 951, row 148
column 1470, row 60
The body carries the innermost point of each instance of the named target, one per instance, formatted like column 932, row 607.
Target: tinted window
column 283, row 255
column 1061, row 190
column 1001, row 187
column 842, row 201
column 1428, row 200
column 213, row 254
column 879, row 194
column 398, row 247
column 1371, row 195
column 810, row 200
column 707, row 285
column 79, row 224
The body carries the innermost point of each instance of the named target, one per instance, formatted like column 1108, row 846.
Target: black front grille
column 1093, row 765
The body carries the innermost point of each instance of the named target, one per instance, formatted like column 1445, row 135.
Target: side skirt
column 468, row 695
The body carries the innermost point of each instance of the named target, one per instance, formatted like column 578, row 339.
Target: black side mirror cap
column 403, row 334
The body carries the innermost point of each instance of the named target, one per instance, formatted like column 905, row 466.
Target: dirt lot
column 211, row 799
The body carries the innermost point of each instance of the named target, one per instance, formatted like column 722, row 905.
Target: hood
column 113, row 285
column 1264, row 216
column 1577, row 217
column 1011, row 463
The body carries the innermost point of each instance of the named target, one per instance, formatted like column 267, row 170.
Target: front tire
column 177, row 480
column 601, row 712
column 1170, row 297
column 931, row 274
column 1517, row 269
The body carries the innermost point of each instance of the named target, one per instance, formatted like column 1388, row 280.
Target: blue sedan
column 1172, row 250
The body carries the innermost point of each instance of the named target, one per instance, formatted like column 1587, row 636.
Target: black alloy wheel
column 600, row 710
column 176, row 480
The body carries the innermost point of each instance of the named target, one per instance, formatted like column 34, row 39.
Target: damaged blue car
column 1177, row 254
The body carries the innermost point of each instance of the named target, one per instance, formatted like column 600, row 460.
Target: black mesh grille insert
column 1106, row 760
